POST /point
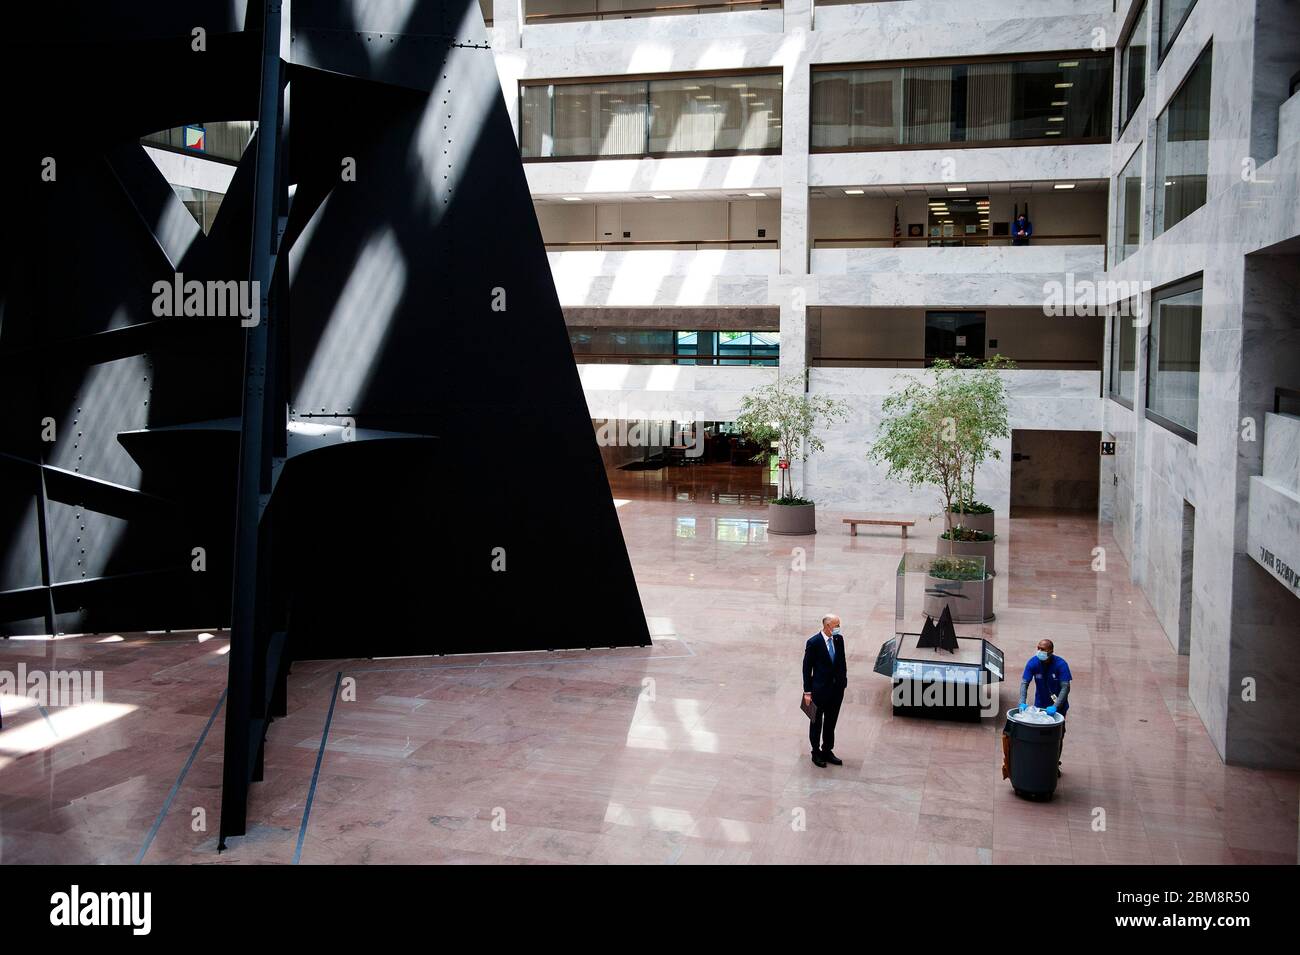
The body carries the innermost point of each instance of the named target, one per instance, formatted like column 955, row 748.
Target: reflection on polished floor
column 691, row 751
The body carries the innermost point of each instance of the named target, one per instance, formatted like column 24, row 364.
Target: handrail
column 671, row 359
column 920, row 362
column 596, row 244
column 963, row 240
column 670, row 8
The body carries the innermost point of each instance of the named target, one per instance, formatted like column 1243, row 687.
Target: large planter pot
column 969, row 549
column 976, row 522
column 792, row 518
column 971, row 601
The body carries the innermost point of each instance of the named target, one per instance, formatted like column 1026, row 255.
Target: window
column 1123, row 353
column 680, row 115
column 1060, row 98
column 1128, row 212
column 1133, row 68
column 1172, row 15
column 1183, row 149
column 1174, row 358
column 638, row 346
column 954, row 336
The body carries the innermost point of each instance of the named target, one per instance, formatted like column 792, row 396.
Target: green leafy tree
column 782, row 412
column 937, row 429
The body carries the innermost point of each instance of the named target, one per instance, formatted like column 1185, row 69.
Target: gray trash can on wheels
column 1033, row 752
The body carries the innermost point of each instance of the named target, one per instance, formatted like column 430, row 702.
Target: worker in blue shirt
column 1051, row 676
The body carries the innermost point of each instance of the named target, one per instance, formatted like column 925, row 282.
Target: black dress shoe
column 831, row 758
column 818, row 761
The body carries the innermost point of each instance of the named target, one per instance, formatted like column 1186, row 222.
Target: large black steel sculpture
column 392, row 455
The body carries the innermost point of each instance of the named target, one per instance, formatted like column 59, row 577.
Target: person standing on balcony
column 1021, row 229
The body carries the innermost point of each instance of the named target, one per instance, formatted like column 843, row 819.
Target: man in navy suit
column 825, row 675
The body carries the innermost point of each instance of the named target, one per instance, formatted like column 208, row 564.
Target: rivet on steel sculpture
column 380, row 448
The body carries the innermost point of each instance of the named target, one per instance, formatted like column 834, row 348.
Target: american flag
column 898, row 230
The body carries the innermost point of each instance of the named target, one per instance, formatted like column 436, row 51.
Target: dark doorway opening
column 1056, row 470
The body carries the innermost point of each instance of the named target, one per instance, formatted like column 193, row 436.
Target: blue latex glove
column 1050, row 711
column 1023, row 707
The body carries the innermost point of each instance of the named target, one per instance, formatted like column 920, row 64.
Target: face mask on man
column 835, row 631
column 1043, row 655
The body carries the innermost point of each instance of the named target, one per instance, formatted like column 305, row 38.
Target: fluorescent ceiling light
column 757, row 195
column 1052, row 132
column 1064, row 86
column 1060, row 102
column 663, row 197
column 1069, row 63
column 1063, row 185
column 572, row 198
column 855, row 192
column 690, row 89
column 956, row 188
column 1056, row 119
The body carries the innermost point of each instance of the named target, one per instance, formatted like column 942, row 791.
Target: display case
column 941, row 665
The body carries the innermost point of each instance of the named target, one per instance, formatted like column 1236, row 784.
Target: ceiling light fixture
column 1063, row 185
column 855, row 192
column 757, row 195
column 956, row 188
column 572, row 198
column 1064, row 86
column 663, row 197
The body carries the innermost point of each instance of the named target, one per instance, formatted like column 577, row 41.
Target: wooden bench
column 853, row 523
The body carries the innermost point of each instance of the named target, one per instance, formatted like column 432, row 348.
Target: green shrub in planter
column 956, row 568
column 970, row 507
column 969, row 534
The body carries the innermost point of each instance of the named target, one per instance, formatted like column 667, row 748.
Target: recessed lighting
column 663, row 197
column 956, row 188
column 1060, row 102
column 690, row 89
column 855, row 192
column 757, row 195
column 1056, row 119
column 572, row 198
column 1064, row 86
column 1052, row 132
column 1063, row 185
column 1069, row 63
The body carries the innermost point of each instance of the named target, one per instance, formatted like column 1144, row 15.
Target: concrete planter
column 969, row 549
column 792, row 518
column 971, row 601
column 976, row 522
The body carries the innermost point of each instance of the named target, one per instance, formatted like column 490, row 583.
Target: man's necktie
column 830, row 646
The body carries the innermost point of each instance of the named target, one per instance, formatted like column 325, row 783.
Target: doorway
column 1056, row 470
column 1185, row 580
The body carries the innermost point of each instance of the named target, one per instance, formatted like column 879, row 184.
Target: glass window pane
column 1175, row 358
column 1000, row 101
column 700, row 114
column 1128, row 220
column 1183, row 149
column 1133, row 68
column 1123, row 351
column 1172, row 13
column 536, row 136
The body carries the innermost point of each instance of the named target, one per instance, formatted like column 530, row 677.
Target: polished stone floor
column 691, row 751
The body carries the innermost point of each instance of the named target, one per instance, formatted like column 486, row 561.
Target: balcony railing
column 979, row 241
column 1022, row 364
column 657, row 358
column 657, row 10
column 685, row 245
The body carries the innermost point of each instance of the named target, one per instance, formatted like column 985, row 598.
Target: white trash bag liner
column 1036, row 717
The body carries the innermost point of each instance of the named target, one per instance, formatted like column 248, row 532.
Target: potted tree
column 781, row 413
column 936, row 430
column 981, row 432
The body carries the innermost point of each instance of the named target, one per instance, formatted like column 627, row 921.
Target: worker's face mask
column 835, row 631
column 1043, row 655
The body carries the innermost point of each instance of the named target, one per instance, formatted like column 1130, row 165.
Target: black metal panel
column 469, row 441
